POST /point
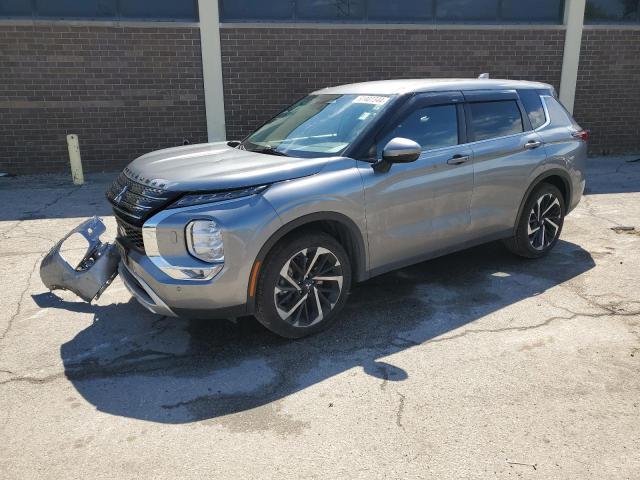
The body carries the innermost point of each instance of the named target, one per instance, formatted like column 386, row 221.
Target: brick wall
column 123, row 90
column 608, row 89
column 127, row 90
column 265, row 69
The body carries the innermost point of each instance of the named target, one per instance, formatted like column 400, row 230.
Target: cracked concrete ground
column 475, row 365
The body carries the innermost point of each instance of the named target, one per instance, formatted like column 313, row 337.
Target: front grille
column 130, row 235
column 134, row 201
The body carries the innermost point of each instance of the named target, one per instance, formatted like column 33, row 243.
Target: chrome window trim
column 545, row 124
column 498, row 138
column 543, row 98
column 436, row 150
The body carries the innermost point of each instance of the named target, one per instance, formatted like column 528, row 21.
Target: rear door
column 505, row 152
column 419, row 208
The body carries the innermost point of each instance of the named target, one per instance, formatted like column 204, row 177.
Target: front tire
column 304, row 284
column 540, row 223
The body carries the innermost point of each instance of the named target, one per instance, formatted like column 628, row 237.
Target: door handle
column 458, row 159
column 531, row 144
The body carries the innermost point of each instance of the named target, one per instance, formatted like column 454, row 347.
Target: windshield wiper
column 269, row 150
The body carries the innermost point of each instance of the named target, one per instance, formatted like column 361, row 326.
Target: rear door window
column 430, row 127
column 533, row 106
column 495, row 119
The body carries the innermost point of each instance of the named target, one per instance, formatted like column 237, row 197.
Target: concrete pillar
column 212, row 69
column 573, row 20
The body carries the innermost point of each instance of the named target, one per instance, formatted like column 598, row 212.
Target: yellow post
column 75, row 160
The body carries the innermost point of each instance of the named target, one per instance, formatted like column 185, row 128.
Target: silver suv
column 347, row 183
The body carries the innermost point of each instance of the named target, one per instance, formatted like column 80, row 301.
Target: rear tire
column 540, row 223
column 304, row 283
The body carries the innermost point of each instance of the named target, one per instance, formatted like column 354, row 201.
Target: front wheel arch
column 341, row 227
column 292, row 312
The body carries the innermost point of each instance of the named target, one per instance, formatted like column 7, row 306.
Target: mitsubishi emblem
column 118, row 197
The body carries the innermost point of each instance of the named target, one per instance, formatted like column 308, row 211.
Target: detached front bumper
column 155, row 274
column 93, row 274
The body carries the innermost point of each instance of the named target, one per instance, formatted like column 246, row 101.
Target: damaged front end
column 93, row 274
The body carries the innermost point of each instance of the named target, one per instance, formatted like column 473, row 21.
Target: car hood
column 216, row 166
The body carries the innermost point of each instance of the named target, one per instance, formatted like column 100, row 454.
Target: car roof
column 399, row 87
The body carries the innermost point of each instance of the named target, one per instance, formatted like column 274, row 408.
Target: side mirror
column 401, row 150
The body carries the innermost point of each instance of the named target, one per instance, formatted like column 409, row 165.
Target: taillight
column 582, row 135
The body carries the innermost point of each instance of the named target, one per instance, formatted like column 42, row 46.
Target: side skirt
column 439, row 253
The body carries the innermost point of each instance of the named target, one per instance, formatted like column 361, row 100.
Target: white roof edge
column 398, row 87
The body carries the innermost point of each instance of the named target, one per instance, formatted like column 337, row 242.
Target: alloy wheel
column 544, row 222
column 308, row 287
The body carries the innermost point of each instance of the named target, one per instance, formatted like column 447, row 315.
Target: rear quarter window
column 533, row 106
column 558, row 114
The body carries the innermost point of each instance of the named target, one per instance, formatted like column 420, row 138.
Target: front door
column 417, row 209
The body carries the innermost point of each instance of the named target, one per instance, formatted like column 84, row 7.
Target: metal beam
column 573, row 20
column 212, row 69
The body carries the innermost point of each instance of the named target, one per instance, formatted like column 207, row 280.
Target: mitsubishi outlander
column 347, row 183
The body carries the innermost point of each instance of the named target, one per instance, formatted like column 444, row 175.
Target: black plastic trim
column 212, row 314
column 554, row 172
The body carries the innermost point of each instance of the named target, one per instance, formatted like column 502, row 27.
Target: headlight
column 199, row 198
column 204, row 241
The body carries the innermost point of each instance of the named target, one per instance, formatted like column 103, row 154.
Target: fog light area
column 74, row 249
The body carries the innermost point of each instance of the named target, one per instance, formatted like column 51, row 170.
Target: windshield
column 317, row 125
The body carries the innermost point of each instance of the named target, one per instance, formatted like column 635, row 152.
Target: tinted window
column 73, row 8
column 15, row 8
column 400, row 10
column 430, row 127
column 558, row 114
column 178, row 9
column 102, row 9
column 545, row 11
column 611, row 11
column 330, row 9
column 533, row 106
column 495, row 119
column 391, row 11
column 256, row 9
column 467, row 9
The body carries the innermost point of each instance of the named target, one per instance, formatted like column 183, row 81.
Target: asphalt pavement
column 475, row 365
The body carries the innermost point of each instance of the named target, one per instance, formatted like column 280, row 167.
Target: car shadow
column 131, row 363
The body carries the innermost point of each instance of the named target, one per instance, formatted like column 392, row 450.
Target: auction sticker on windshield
column 371, row 99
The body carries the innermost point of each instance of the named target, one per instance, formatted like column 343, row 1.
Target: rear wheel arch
column 556, row 177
